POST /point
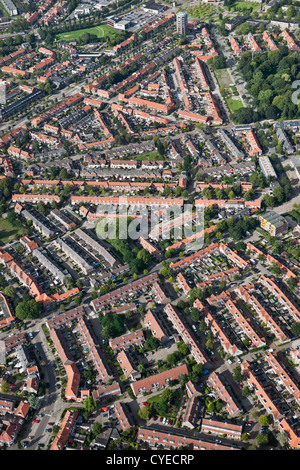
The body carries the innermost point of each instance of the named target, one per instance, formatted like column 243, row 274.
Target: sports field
column 100, row 31
column 234, row 104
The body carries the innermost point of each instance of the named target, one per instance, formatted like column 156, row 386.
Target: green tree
column 264, row 420
column 144, row 412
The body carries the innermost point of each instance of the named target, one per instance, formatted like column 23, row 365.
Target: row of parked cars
column 163, row 420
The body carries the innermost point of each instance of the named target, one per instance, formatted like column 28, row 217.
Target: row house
column 6, row 406
column 244, row 323
column 270, row 283
column 106, row 391
column 14, row 71
column 158, row 292
column 124, row 291
column 157, row 381
column 224, row 394
column 123, row 415
column 13, row 427
column 235, row 46
column 8, row 168
column 35, row 198
column 227, row 140
column 191, row 417
column 46, row 139
column 217, row 330
column 195, row 257
column 214, row 108
column 25, row 278
column 7, row 317
column 133, row 78
column 163, row 228
column 222, row 276
column 174, row 440
column 290, row 41
column 13, row 55
column 233, row 256
column 253, row 44
column 67, row 248
column 99, row 144
column 65, row 431
column 127, row 365
column 19, row 153
column 139, row 102
column 152, row 322
column 94, row 352
column 184, row 114
column 282, row 374
column 212, row 426
column 49, row 265
column 67, row 360
column 262, row 313
column 255, row 148
column 51, row 128
column 103, row 125
column 161, row 131
column 183, row 284
column 14, row 341
column 127, row 340
column 131, row 149
column 180, row 75
column 255, row 383
column 193, row 238
column 271, row 44
column 187, row 336
column 96, row 246
column 125, row 164
column 150, row 248
column 39, row 225
column 66, row 317
column 62, row 219
column 58, row 298
column 137, row 201
column 191, row 389
column 202, row 74
column 59, row 108
column 122, row 309
column 92, row 102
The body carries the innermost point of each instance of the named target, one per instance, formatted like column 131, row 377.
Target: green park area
column 201, row 11
column 100, row 31
column 227, row 90
column 149, row 156
column 8, row 231
column 234, row 104
column 241, row 6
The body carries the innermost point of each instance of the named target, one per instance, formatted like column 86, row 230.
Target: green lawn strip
column 7, row 231
column 100, row 31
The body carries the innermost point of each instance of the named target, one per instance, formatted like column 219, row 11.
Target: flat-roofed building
column 273, row 223
column 266, row 167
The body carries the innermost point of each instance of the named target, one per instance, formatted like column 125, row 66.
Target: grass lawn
column 234, row 105
column 149, row 156
column 201, row 11
column 172, row 409
column 7, row 232
column 101, row 31
column 223, row 77
column 243, row 5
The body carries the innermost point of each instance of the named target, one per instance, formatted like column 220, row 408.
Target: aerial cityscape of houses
column 149, row 225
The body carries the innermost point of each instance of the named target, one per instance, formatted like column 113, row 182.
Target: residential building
column 182, row 23
column 157, row 381
column 273, row 223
